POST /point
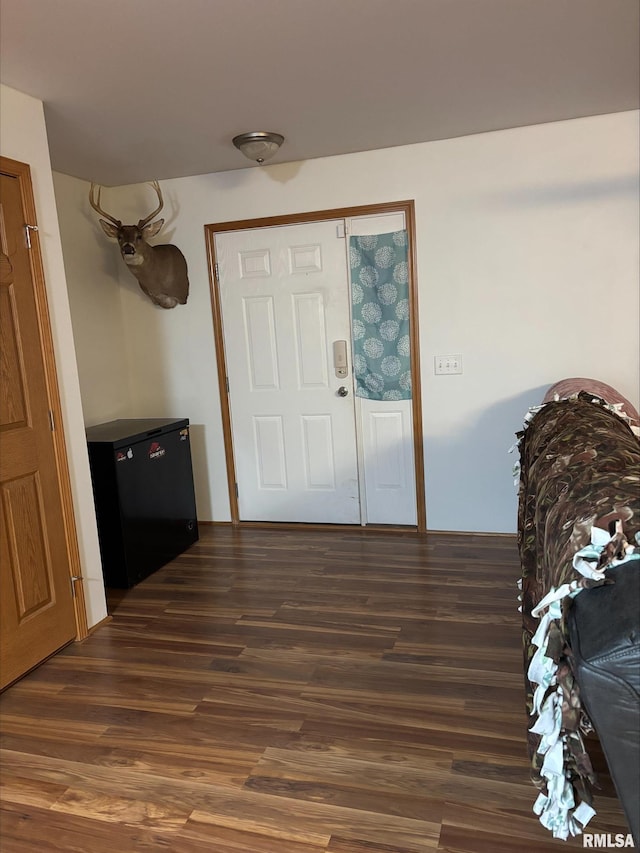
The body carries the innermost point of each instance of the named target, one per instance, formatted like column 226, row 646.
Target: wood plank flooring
column 288, row 691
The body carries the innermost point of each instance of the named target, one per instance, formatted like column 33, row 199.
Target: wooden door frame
column 22, row 172
column 408, row 208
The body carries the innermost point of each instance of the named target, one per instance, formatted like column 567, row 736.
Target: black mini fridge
column 143, row 489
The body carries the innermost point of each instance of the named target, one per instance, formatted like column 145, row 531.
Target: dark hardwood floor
column 288, row 691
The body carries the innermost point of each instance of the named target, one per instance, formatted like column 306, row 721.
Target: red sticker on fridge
column 156, row 451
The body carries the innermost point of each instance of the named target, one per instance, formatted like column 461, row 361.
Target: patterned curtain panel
column 380, row 297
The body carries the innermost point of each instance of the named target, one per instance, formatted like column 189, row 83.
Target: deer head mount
column 161, row 270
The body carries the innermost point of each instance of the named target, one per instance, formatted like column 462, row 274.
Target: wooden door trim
column 408, row 208
column 22, row 172
column 225, row 409
column 416, row 382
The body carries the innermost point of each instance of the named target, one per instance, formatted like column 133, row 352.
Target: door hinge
column 237, row 495
column 52, row 423
column 27, row 234
column 216, row 272
column 73, row 580
column 226, row 382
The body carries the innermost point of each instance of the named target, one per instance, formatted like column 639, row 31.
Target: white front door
column 285, row 301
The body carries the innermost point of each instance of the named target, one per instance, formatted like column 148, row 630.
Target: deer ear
column 109, row 229
column 152, row 229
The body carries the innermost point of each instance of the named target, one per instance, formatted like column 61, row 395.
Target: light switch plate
column 447, row 364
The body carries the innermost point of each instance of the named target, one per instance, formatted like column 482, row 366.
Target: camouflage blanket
column 579, row 469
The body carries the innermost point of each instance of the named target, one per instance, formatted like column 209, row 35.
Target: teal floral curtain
column 380, row 316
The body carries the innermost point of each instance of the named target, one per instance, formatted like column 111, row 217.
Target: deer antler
column 156, row 187
column 94, row 201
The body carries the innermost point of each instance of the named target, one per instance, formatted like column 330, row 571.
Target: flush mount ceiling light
column 259, row 145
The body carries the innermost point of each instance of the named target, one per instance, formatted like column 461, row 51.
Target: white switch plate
column 448, row 364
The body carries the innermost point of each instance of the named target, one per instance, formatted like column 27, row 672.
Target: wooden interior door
column 37, row 614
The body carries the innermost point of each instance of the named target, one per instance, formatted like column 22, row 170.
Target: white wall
column 23, row 137
column 527, row 244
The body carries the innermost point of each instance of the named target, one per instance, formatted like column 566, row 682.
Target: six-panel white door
column 285, row 300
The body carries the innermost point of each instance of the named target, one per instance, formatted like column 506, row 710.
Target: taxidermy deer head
column 161, row 270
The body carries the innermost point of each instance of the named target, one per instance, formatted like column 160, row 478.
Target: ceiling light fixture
column 259, row 145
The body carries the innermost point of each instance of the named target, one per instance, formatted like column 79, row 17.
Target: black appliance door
column 157, row 504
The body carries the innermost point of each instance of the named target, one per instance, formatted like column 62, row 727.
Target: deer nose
column 128, row 249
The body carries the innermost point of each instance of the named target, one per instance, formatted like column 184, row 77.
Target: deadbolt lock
column 340, row 363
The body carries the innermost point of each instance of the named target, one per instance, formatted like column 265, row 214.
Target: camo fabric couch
column 579, row 543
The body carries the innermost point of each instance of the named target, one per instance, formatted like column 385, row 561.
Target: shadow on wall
column 571, row 193
column 200, row 468
column 147, row 350
column 471, row 471
column 159, row 386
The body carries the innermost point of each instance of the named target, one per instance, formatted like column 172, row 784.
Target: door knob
column 342, row 391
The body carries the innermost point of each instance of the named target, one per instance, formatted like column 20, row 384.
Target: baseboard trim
column 378, row 528
column 97, row 626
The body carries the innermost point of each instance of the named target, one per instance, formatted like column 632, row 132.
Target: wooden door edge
column 6, row 685
column 221, row 364
column 407, row 206
column 22, row 172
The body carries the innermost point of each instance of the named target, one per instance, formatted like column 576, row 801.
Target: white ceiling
column 142, row 89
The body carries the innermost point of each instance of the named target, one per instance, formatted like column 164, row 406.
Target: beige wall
column 96, row 306
column 23, row 137
column 526, row 239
